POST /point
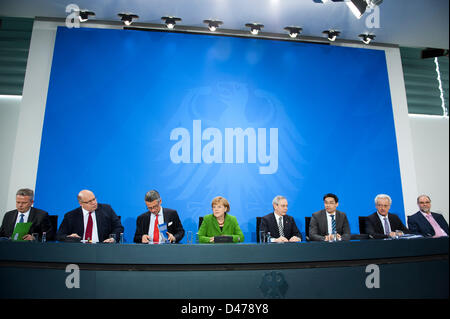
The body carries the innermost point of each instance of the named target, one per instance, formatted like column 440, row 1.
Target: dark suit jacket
column 375, row 228
column 39, row 219
column 269, row 224
column 419, row 225
column 318, row 227
column 107, row 223
column 170, row 217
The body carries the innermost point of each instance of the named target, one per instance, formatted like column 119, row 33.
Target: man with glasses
column 382, row 223
column 425, row 222
column 92, row 222
column 329, row 224
column 149, row 223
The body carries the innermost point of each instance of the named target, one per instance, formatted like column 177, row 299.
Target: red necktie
column 156, row 231
column 88, row 233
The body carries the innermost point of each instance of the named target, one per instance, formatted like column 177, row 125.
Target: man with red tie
column 149, row 223
column 91, row 221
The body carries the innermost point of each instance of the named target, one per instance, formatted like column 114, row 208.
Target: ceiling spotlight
column 332, row 34
column 358, row 7
column 366, row 38
column 254, row 27
column 128, row 18
column 293, row 31
column 325, row 1
column 170, row 21
column 83, row 15
column 213, row 24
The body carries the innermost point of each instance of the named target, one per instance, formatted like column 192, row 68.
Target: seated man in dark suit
column 26, row 213
column 426, row 223
column 382, row 223
column 147, row 224
column 282, row 227
column 329, row 221
column 91, row 221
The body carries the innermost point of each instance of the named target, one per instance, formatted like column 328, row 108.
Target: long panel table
column 403, row 268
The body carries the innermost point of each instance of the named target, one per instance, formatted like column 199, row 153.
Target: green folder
column 20, row 230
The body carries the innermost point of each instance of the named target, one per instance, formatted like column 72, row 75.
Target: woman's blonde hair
column 221, row 200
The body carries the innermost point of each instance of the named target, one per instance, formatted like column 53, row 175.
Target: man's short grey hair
column 25, row 192
column 423, row 195
column 383, row 196
column 152, row 196
column 277, row 199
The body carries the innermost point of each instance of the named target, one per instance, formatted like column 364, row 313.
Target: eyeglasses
column 90, row 201
column 153, row 207
column 422, row 203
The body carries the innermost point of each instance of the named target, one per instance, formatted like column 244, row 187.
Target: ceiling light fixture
column 170, row 21
column 332, row 34
column 83, row 15
column 128, row 18
column 254, row 27
column 293, row 31
column 213, row 24
column 366, row 38
column 358, row 7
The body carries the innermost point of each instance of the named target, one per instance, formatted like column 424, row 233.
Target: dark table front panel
column 415, row 268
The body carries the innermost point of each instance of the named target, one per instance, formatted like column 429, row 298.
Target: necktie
column 156, row 231
column 438, row 232
column 333, row 224
column 21, row 218
column 280, row 226
column 90, row 224
column 386, row 226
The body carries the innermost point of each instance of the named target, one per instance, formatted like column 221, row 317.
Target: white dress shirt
column 381, row 217
column 152, row 224
column 94, row 225
column 25, row 217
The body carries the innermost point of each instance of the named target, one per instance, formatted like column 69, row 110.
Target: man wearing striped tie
column 329, row 224
column 281, row 226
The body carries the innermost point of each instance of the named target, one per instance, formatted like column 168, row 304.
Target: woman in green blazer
column 219, row 223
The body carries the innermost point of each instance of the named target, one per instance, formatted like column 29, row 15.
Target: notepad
column 223, row 239
column 20, row 230
column 163, row 230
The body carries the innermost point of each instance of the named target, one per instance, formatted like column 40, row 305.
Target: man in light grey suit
column 321, row 225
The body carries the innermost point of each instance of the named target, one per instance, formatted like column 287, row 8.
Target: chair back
column 362, row 220
column 258, row 226
column 54, row 222
column 307, row 222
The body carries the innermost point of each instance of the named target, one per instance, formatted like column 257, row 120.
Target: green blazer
column 210, row 228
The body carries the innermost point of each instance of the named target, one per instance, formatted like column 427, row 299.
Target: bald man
column 91, row 221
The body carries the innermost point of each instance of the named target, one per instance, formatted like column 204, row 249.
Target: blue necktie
column 333, row 224
column 21, row 218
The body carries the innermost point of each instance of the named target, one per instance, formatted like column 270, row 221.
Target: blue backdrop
column 197, row 116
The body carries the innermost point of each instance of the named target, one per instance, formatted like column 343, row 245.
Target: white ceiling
column 410, row 23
